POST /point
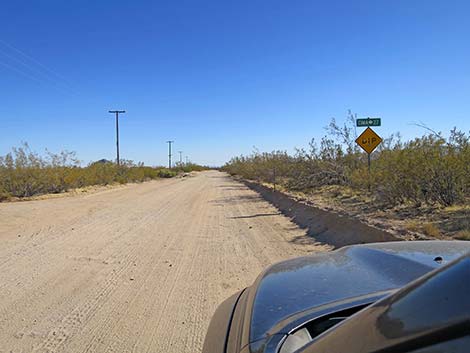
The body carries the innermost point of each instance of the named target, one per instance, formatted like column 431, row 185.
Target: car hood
column 301, row 284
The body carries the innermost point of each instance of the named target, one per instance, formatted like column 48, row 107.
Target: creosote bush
column 429, row 170
column 24, row 173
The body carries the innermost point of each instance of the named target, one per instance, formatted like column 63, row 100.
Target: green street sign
column 368, row 122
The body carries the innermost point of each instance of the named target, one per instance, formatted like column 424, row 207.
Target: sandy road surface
column 135, row 269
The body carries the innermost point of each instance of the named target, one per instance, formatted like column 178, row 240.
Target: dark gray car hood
column 299, row 284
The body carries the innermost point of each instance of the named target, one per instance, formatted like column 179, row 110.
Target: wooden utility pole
column 117, row 112
column 169, row 153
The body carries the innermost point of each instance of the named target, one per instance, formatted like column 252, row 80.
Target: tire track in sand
column 136, row 269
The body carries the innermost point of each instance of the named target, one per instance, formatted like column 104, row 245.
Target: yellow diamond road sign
column 368, row 140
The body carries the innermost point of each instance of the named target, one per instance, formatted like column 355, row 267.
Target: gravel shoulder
column 134, row 269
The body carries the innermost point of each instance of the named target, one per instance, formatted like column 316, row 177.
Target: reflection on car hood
column 299, row 284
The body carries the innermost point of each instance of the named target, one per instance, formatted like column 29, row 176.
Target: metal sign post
column 368, row 141
column 274, row 178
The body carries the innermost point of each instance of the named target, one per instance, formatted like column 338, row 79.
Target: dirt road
column 134, row 269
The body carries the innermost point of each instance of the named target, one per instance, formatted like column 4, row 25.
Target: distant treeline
column 431, row 169
column 24, row 173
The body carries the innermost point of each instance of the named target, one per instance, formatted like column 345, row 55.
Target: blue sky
column 220, row 77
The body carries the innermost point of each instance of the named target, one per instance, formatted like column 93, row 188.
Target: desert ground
column 139, row 268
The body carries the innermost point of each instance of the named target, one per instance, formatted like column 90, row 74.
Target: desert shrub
column 266, row 166
column 25, row 173
column 189, row 167
column 431, row 169
column 166, row 173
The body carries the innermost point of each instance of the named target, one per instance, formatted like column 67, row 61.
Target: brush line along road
column 139, row 268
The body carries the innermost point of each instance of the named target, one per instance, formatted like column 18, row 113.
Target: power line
column 35, row 68
column 21, row 72
column 35, row 61
column 169, row 153
column 117, row 112
column 181, row 157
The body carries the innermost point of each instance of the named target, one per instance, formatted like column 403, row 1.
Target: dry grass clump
column 430, row 229
column 463, row 234
column 413, row 226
